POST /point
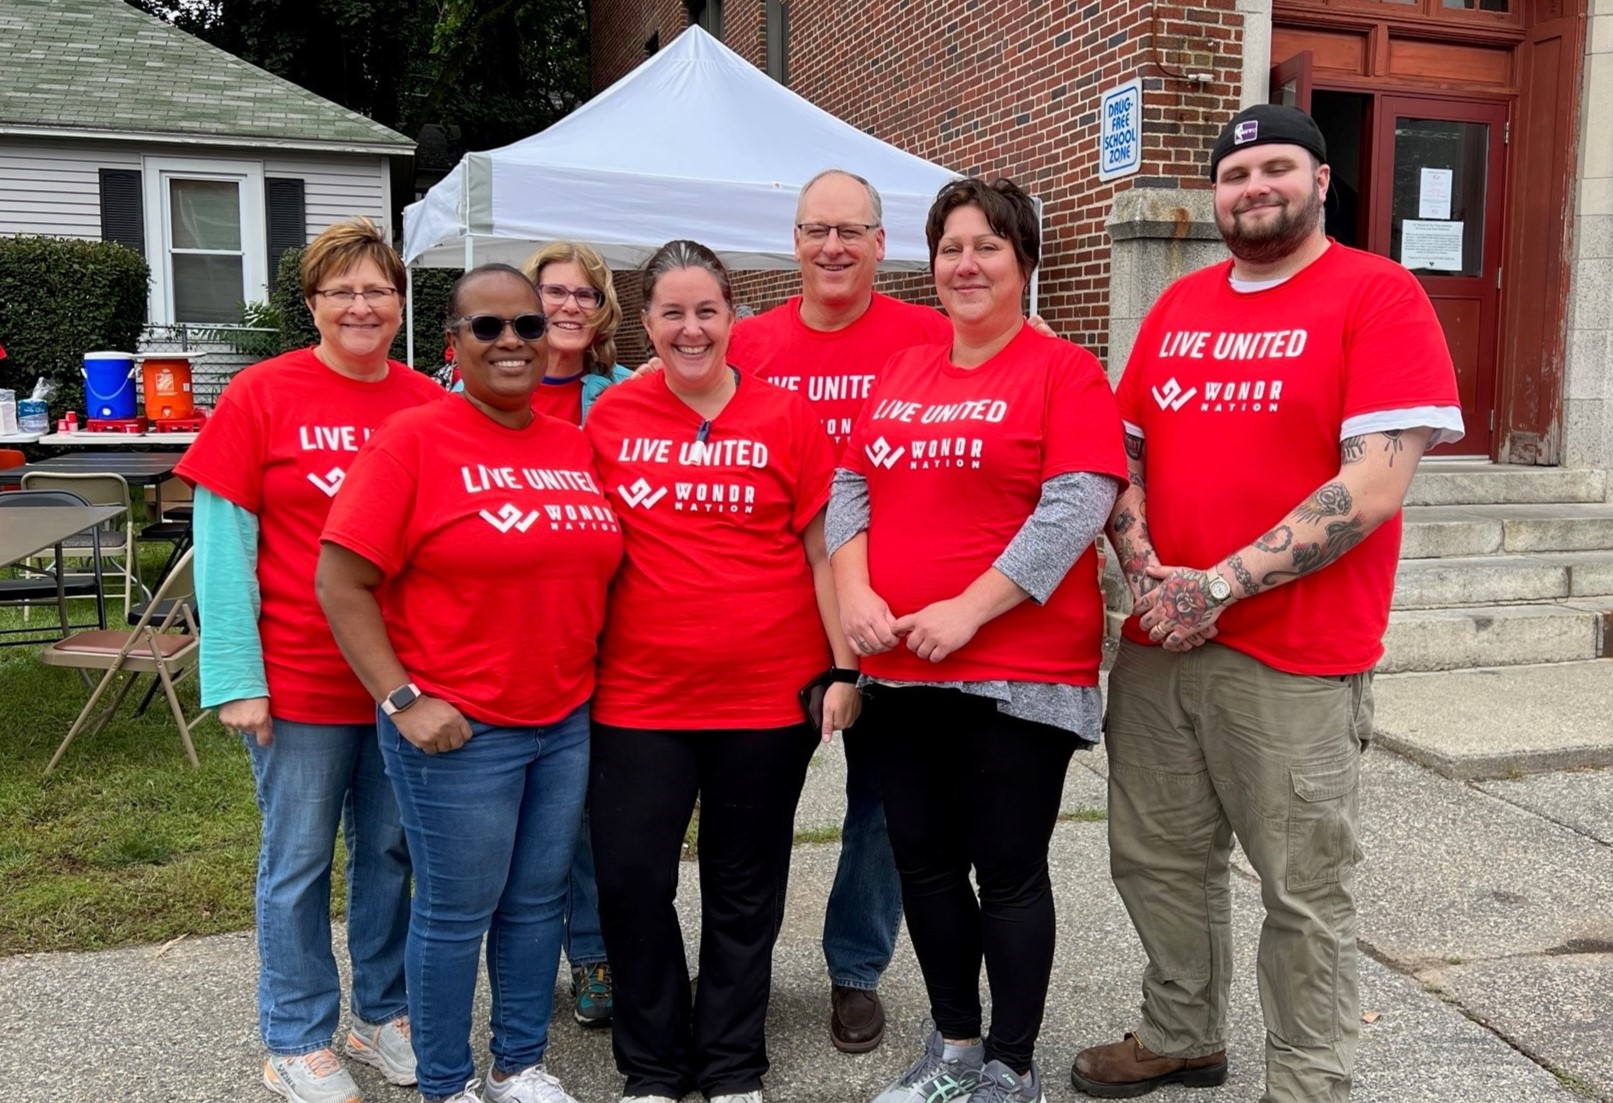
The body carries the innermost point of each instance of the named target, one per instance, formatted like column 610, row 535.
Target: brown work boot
column 1125, row 1069
column 856, row 1019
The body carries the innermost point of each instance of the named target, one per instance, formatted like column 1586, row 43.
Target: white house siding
column 54, row 188
column 335, row 188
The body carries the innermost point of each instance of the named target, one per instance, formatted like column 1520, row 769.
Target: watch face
column 1220, row 588
column 403, row 697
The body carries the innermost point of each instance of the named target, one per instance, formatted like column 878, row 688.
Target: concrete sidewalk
column 1487, row 911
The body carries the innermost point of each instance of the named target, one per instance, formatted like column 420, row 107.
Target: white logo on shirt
column 1173, row 398
column 881, row 454
column 509, row 517
column 641, row 494
column 331, row 483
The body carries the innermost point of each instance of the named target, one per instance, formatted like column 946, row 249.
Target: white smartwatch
column 400, row 699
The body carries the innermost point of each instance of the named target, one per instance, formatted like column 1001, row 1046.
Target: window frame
column 248, row 176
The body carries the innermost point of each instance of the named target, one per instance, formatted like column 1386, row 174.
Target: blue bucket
column 109, row 385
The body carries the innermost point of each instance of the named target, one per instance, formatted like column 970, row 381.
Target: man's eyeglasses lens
column 372, row 295
column 850, row 232
column 490, row 327
column 556, row 295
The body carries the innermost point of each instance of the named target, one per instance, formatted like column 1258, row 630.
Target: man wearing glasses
column 828, row 343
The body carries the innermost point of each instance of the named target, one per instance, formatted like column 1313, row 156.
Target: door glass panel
column 1480, row 5
column 206, row 214
column 1437, row 218
column 207, row 288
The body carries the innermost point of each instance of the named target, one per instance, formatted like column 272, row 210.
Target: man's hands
column 1178, row 613
column 433, row 725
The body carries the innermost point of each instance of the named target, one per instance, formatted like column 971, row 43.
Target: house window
column 206, row 239
column 707, row 15
column 778, row 41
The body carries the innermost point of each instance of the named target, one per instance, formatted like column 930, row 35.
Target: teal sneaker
column 592, row 993
column 942, row 1074
column 1001, row 1084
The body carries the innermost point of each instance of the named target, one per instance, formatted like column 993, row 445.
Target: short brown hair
column 677, row 255
column 344, row 246
column 600, row 356
column 1009, row 212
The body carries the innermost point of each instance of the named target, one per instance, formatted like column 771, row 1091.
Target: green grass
column 808, row 836
column 125, row 842
column 1083, row 815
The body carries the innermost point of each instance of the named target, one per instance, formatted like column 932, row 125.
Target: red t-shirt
column 278, row 444
column 1242, row 397
column 562, row 399
column 498, row 546
column 834, row 370
column 713, row 619
column 955, row 460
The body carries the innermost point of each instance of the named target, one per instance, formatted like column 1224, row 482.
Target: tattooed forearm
column 1134, row 453
column 1279, row 539
column 1393, row 444
column 1123, row 522
column 1352, row 450
column 1134, row 446
column 1332, row 500
column 1245, row 578
column 1340, row 537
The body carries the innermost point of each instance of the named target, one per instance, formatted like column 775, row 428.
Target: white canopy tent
column 694, row 143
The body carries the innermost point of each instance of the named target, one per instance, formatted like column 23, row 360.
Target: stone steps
column 1498, row 579
column 1459, row 637
column 1468, row 482
column 1433, row 532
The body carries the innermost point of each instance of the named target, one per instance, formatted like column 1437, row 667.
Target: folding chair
column 116, row 537
column 169, row 649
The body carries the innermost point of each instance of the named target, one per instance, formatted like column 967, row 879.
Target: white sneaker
column 530, row 1085
column 743, row 1097
column 316, row 1077
column 469, row 1095
column 648, row 1099
column 384, row 1046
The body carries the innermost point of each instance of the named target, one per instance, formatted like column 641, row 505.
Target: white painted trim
column 254, row 231
column 403, row 149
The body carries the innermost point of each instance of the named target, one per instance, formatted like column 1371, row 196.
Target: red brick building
column 1493, row 92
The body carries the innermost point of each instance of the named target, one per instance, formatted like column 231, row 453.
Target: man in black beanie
column 1276, row 406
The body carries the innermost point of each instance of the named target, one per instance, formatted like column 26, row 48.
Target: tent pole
column 1036, row 273
column 408, row 319
column 470, row 252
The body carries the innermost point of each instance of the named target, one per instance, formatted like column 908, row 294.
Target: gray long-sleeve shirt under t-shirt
column 1069, row 516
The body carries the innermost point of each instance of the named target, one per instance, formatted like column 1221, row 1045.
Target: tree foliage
column 490, row 71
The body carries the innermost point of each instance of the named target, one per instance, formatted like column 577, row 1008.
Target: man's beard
column 1278, row 237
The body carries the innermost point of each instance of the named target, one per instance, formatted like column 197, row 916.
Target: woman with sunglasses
column 579, row 349
column 276, row 448
column 464, row 571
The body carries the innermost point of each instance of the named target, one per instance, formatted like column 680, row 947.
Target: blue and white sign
column 1120, row 133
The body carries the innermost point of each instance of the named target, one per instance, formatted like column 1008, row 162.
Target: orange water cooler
column 167, row 382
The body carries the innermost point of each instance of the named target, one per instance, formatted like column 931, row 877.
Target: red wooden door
column 1438, row 182
column 1291, row 81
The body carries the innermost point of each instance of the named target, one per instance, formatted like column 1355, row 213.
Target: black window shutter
column 288, row 222
column 123, row 217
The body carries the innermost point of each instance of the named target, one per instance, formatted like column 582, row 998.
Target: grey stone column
column 1588, row 382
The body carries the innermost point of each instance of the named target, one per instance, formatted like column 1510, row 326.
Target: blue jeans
column 312, row 779
column 865, row 904
column 492, row 828
column 585, row 945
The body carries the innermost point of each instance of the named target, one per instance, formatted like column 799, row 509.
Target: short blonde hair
column 344, row 246
column 600, row 356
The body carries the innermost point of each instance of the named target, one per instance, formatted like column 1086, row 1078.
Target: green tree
column 489, row 71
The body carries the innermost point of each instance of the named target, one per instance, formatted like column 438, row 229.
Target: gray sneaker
column 942, row 1074
column 384, row 1046
column 1001, row 1084
column 316, row 1077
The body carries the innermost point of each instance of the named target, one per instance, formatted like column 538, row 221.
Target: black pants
column 967, row 786
column 642, row 790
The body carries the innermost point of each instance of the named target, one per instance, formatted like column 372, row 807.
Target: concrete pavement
column 1487, row 911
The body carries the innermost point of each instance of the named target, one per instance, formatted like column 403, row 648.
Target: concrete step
column 1491, row 579
column 1436, row 531
column 1467, row 482
column 1497, row 635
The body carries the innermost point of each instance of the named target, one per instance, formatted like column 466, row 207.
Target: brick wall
column 1008, row 88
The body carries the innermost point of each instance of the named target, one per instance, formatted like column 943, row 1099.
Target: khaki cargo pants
column 1212, row 743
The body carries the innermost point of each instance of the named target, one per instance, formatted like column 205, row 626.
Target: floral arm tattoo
column 1128, row 523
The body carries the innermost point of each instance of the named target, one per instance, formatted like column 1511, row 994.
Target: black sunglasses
column 490, row 327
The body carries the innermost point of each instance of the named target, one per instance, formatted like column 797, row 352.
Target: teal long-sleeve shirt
column 228, row 598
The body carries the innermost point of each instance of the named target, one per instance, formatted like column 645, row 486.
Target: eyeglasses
column 372, row 295
column 851, row 233
column 556, row 294
column 490, row 327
